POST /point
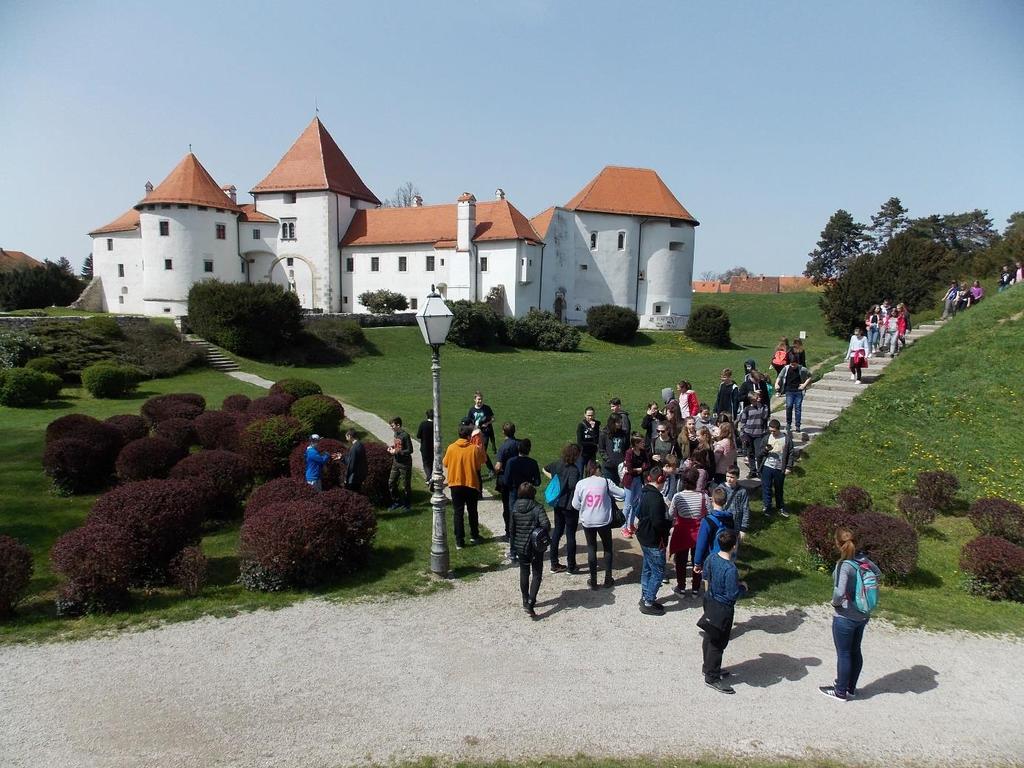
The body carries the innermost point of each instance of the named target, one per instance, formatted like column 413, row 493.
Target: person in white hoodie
column 857, row 353
column 593, row 500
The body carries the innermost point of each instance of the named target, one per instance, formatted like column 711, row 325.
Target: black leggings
column 527, row 585
column 855, row 369
column 605, row 532
column 566, row 522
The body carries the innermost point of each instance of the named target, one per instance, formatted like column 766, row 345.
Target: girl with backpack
column 781, row 355
column 527, row 515
column 566, row 518
column 855, row 583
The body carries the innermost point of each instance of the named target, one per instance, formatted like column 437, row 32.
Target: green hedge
column 250, row 319
column 109, row 380
column 541, row 330
column 709, row 324
column 610, row 322
column 26, row 388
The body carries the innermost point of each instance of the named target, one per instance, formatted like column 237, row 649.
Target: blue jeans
column 794, row 400
column 631, row 500
column 772, row 480
column 847, row 635
column 652, row 571
column 873, row 338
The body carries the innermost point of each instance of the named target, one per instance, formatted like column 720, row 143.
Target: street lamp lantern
column 435, row 320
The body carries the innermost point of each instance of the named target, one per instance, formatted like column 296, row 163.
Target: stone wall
column 19, row 323
column 755, row 284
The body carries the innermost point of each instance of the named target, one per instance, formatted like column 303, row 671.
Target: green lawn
column 31, row 513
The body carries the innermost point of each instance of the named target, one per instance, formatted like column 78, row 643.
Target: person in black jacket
column 728, row 398
column 566, row 518
column 425, row 434
column 652, row 533
column 612, row 446
column 588, row 433
column 355, row 462
column 508, row 450
column 527, row 514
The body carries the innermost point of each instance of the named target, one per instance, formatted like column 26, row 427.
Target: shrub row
column 890, row 542
column 15, row 573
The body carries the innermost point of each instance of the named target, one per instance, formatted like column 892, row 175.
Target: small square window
column 200, row 207
column 403, row 263
column 168, row 264
column 483, row 263
column 344, row 299
column 375, row 264
column 531, row 263
column 219, row 210
column 222, row 232
column 152, row 207
column 120, row 270
column 622, row 240
column 165, row 228
column 255, row 234
column 208, row 266
column 350, row 264
column 657, row 309
column 184, row 207
column 290, row 262
column 677, row 246
column 167, row 310
column 430, row 263
column 413, row 303
column 442, row 262
column 110, row 243
column 120, row 299
column 243, row 266
column 165, row 206
column 584, row 267
column 593, row 241
column 124, row 289
column 289, row 197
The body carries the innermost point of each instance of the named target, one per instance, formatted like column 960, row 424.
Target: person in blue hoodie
column 722, row 588
column 717, row 520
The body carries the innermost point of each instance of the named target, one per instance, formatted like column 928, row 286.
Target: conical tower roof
column 189, row 183
column 315, row 162
column 632, row 191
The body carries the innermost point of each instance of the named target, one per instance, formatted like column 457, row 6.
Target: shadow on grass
column 763, row 578
column 922, row 578
column 222, row 571
column 917, row 679
column 750, row 553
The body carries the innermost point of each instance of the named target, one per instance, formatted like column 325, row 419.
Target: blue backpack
column 553, row 491
column 726, row 521
column 865, row 591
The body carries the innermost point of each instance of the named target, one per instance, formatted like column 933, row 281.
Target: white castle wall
column 120, row 294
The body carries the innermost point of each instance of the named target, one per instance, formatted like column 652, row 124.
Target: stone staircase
column 215, row 356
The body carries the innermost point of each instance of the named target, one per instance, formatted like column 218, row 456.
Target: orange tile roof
column 542, row 221
column 126, row 222
column 249, row 213
column 497, row 220
column 11, row 260
column 315, row 162
column 630, row 191
column 189, row 183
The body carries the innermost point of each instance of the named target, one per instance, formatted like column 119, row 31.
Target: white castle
column 315, row 228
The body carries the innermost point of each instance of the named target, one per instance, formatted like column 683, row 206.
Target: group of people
column 961, row 296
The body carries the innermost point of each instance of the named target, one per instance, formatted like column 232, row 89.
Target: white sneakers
column 853, row 377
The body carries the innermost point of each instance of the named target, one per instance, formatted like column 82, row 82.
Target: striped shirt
column 687, row 505
column 753, row 422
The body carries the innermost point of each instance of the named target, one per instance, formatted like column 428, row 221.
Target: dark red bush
column 294, row 543
column 76, row 466
column 818, row 524
column 854, row 499
column 278, row 491
column 180, row 432
column 999, row 517
column 147, row 458
column 332, row 475
column 178, row 406
column 937, row 489
column 267, row 444
column 358, row 522
column 130, row 426
column 271, row 405
column 890, row 542
column 15, row 573
column 227, row 474
column 161, row 516
column 78, row 426
column 98, row 561
column 916, row 511
column 996, row 567
column 378, row 465
column 217, row 430
column 188, row 570
column 239, row 403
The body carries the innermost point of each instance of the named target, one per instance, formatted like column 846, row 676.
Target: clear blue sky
column 763, row 118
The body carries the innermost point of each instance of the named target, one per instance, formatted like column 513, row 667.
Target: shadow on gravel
column 774, row 624
column 917, row 679
column 771, row 668
column 580, row 596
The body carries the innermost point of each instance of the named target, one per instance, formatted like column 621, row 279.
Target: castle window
column 403, row 264
column 124, row 289
column 288, row 229
column 152, row 207
column 442, row 262
column 413, row 303
column 583, row 267
column 289, row 197
column 184, row 207
column 222, row 232
column 622, row 240
column 243, row 266
column 677, row 246
column 167, row 310
column 350, row 264
column 375, row 264
column 255, row 234
column 200, row 207
column 430, row 263
column 208, row 265
column 168, row 264
column 219, row 210
column 483, row 263
column 165, row 228
column 110, row 243
column 289, row 262
column 657, row 309
column 593, row 241
column 677, row 224
column 165, row 206
column 120, row 270
column 120, row 299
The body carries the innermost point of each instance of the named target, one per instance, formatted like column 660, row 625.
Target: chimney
column 417, row 201
column 465, row 222
column 231, row 191
column 499, row 194
column 149, row 187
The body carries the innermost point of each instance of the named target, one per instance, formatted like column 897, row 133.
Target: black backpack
column 538, row 543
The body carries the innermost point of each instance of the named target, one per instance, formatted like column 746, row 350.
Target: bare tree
column 404, row 196
column 709, row 274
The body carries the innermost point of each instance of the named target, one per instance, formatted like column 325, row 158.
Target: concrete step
column 821, row 407
column 820, row 394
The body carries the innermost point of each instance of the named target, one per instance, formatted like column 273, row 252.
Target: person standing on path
column 508, row 450
column 737, row 502
column 593, row 499
column 779, row 457
column 725, row 452
column 722, row 588
column 793, row 380
column 425, row 434
column 856, row 354
column 716, row 521
column 521, row 468
column 652, row 534
column 527, row 514
column 400, row 479
column 753, row 426
column 315, row 462
column 463, row 460
column 356, row 467
column 728, row 398
column 849, row 622
column 612, row 448
column 482, row 417
column 567, row 519
column 588, row 433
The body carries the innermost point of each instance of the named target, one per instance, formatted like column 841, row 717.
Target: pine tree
column 841, row 242
column 890, row 220
column 65, row 265
column 87, row 267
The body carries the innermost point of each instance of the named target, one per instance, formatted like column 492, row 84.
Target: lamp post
column 435, row 319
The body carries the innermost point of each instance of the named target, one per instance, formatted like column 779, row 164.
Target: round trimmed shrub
column 227, row 474
column 709, row 324
column 97, row 560
column 889, row 541
column 475, row 324
column 25, row 388
column 319, row 414
column 88, row 430
column 188, row 570
column 295, row 543
column 103, row 325
column 378, row 468
column 996, row 568
column 239, row 403
column 359, row 525
column 180, row 432
column 278, row 491
column 217, row 430
column 45, row 365
column 916, row 511
column 937, row 489
column 818, row 525
column 297, row 388
column 331, row 475
column 146, row 458
column 110, row 380
column 178, row 406
column 15, row 573
column 267, row 443
column 999, row 517
column 76, row 466
column 161, row 516
column 854, row 499
column 129, row 426
column 610, row 322
column 271, row 405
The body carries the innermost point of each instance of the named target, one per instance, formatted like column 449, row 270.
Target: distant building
column 315, row 228
column 755, row 284
column 12, row 260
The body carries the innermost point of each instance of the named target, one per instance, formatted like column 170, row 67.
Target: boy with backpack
column 717, row 520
